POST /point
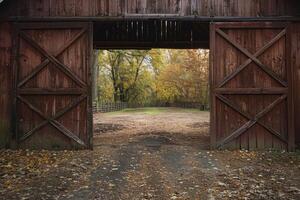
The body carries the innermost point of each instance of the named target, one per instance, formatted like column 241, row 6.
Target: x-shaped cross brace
column 53, row 120
column 62, row 67
column 252, row 120
column 252, row 58
column 53, row 59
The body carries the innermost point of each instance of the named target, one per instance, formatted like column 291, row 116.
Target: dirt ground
column 154, row 127
column 150, row 154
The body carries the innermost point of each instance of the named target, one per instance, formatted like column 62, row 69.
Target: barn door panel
column 52, row 85
column 252, row 106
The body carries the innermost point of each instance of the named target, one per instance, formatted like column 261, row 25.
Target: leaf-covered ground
column 150, row 156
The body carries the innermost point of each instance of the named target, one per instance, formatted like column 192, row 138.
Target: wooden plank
column 66, row 132
column 236, row 134
column 256, row 91
column 39, row 7
column 56, row 102
column 59, row 114
column 6, row 97
column 55, row 26
column 291, row 104
column 213, row 114
column 247, row 62
column 149, row 45
column 48, row 91
column 15, row 74
column 137, row 17
column 251, row 122
column 295, row 47
column 54, row 60
column 253, row 58
column 89, row 108
column 262, row 101
column 251, row 25
column 86, row 8
column 47, row 61
column 244, row 8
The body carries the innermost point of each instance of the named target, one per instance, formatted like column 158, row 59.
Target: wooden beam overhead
column 157, row 17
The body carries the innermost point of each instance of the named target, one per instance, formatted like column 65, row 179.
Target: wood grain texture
column 71, row 8
column 5, row 83
column 52, row 84
column 256, row 67
column 252, row 109
column 295, row 59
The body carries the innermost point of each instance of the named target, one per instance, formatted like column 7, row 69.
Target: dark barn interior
column 151, row 33
column 46, row 51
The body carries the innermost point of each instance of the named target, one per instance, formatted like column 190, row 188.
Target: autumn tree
column 185, row 78
column 153, row 76
column 125, row 70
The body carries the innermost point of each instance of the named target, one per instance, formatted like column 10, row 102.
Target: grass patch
column 154, row 111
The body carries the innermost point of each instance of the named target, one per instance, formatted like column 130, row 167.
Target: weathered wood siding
column 42, row 94
column 244, row 8
column 251, row 86
column 5, row 82
column 296, row 64
column 53, row 86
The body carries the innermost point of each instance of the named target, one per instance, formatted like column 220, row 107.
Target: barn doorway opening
column 153, row 86
column 152, row 98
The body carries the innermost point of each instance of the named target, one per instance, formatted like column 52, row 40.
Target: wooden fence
column 195, row 105
column 109, row 107
column 117, row 106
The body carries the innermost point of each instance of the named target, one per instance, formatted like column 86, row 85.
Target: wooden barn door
column 52, row 85
column 251, row 83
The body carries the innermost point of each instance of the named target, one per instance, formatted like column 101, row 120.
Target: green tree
column 125, row 69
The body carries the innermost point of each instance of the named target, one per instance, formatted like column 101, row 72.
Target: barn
column 46, row 51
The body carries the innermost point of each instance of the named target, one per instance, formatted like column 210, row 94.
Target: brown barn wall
column 242, row 8
column 102, row 8
column 296, row 64
column 5, row 82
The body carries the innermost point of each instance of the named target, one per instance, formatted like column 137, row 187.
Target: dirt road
column 150, row 154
